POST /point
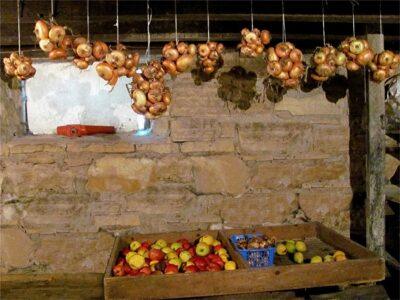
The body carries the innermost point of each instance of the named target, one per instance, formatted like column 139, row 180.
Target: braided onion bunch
column 253, row 42
column 285, row 62
column 178, row 58
column 53, row 39
column 19, row 66
column 150, row 96
column 118, row 63
column 384, row 65
column 358, row 53
column 210, row 56
column 325, row 61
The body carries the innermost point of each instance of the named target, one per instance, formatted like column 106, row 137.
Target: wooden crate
column 361, row 267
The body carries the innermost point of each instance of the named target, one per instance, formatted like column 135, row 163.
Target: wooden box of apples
column 205, row 263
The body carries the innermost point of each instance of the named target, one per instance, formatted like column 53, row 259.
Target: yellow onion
column 104, row 70
column 46, row 45
column 352, row 66
column 365, row 57
column 282, row 50
column 379, row 75
column 56, row 34
column 23, row 69
column 100, row 49
column 182, row 48
column 84, row 50
column 296, row 55
column 357, row 46
column 203, row 50
column 41, row 30
column 77, row 41
column 58, row 53
column 139, row 97
column 118, row 58
column 385, row 58
column 319, row 57
column 66, row 43
column 340, row 59
column 171, row 54
column 81, row 63
column 318, row 78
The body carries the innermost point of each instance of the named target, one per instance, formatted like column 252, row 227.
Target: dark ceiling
column 227, row 18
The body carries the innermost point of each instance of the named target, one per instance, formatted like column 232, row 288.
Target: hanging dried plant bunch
column 150, row 96
column 285, row 62
column 210, row 56
column 117, row 63
column 358, row 53
column 53, row 39
column 325, row 61
column 19, row 66
column 384, row 65
column 253, row 42
column 178, row 58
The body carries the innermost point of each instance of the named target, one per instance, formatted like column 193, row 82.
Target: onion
column 56, row 34
column 319, row 57
column 77, row 41
column 66, row 43
column 100, row 49
column 323, row 70
column 340, row 59
column 10, row 70
column 41, row 30
column 318, row 78
column 114, row 78
column 283, row 76
column 157, row 108
column 104, row 70
column 169, row 66
column 144, row 86
column 184, row 62
column 58, row 53
column 46, row 45
column 192, row 50
column 282, row 50
column 156, row 85
column 212, row 46
column 365, row 57
column 171, row 54
column 251, row 37
column 271, row 55
column 291, row 83
column 81, row 64
column 84, row 50
column 182, row 48
column 274, row 68
column 166, row 98
column 372, row 66
column 220, row 48
column 379, row 75
column 166, row 47
column 357, row 46
column 208, row 63
column 208, row 70
column 122, row 71
column 203, row 50
column 118, row 58
column 154, row 96
column 352, row 66
column 23, row 69
column 265, row 37
column 385, row 58
column 296, row 55
column 296, row 72
column 139, row 98
column 289, row 45
column 286, row 64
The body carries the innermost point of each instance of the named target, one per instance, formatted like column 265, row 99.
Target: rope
column 176, row 24
column 149, row 17
column 380, row 17
column 19, row 26
column 354, row 23
column 208, row 23
column 251, row 14
column 283, row 22
column 87, row 20
column 323, row 22
column 52, row 10
column 117, row 19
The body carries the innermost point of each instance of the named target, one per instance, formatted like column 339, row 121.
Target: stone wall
column 206, row 166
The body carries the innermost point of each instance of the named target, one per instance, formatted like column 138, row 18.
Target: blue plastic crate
column 257, row 258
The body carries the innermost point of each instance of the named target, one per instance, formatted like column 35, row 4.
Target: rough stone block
column 16, row 248
column 226, row 174
column 174, row 169
column 120, row 174
column 160, row 148
column 218, row 146
column 126, row 219
column 330, row 139
column 101, row 147
column 200, row 129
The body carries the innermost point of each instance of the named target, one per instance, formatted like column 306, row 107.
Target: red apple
column 212, row 267
column 127, row 269
column 182, row 241
column 145, row 270
column 212, row 256
column 200, row 263
column 121, row 261
column 118, row 270
column 186, row 245
column 146, row 245
column 192, row 251
column 218, row 260
column 216, row 248
column 179, row 250
column 156, row 254
column 191, row 269
column 125, row 251
column 171, row 269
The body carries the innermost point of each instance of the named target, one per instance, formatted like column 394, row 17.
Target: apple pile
column 178, row 58
column 358, row 53
column 285, row 62
column 210, row 56
column 19, row 66
column 296, row 250
column 146, row 258
column 253, row 42
column 325, row 61
column 53, row 39
column 384, row 65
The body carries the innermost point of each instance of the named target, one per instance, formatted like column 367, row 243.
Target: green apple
column 143, row 252
column 129, row 255
column 161, row 243
column 328, row 258
column 185, row 256
column 298, row 257
column 202, row 249
column 155, row 246
column 166, row 250
column 301, row 246
column 136, row 261
column 175, row 246
column 281, row 249
column 172, row 255
column 316, row 259
column 290, row 247
column 134, row 245
column 207, row 239
column 176, row 261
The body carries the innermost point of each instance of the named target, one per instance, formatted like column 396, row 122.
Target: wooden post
column 375, row 182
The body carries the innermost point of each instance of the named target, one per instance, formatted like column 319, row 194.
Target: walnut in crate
column 210, row 56
column 19, row 66
column 285, row 62
column 117, row 63
column 178, row 58
column 358, row 53
column 53, row 39
column 150, row 96
column 325, row 61
column 384, row 65
column 257, row 242
column 253, row 42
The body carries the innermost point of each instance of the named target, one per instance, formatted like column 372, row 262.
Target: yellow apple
column 143, row 252
column 185, row 256
column 189, row 263
column 166, row 250
column 224, row 258
column 136, row 261
column 161, row 243
column 207, row 239
column 129, row 255
column 222, row 251
column 230, row 265
column 216, row 243
column 316, row 259
column 176, row 261
column 134, row 245
column 172, row 255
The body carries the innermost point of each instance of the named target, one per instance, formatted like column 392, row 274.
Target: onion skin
column 139, row 98
column 296, row 55
column 379, row 75
column 58, row 53
column 171, row 54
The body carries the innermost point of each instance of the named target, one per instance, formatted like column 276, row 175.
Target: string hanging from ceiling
column 251, row 14
column 176, row 23
column 87, row 21
column 117, row 19
column 323, row 22
column 283, row 22
column 19, row 26
column 149, row 17
column 208, row 22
